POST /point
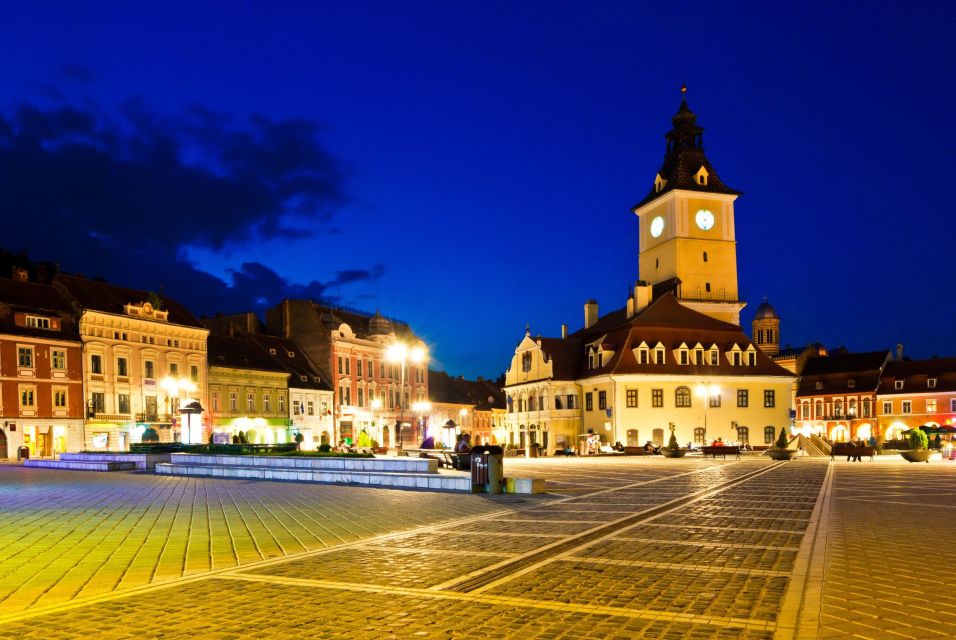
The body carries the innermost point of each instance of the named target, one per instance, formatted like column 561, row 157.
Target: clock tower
column 686, row 226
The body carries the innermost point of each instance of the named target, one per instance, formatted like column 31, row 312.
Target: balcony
column 698, row 295
column 154, row 418
column 111, row 417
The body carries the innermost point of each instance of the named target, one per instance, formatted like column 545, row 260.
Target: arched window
column 768, row 435
column 682, row 397
column 632, row 439
column 658, row 437
column 705, row 256
column 700, row 436
column 526, row 361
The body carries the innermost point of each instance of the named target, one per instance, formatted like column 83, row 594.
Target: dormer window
column 714, row 356
column 851, row 383
column 643, row 354
column 698, row 355
column 659, row 183
column 931, row 383
column 36, row 322
column 659, row 354
column 897, row 384
column 272, row 351
column 683, row 356
column 291, row 354
column 304, row 378
column 702, row 176
column 819, row 385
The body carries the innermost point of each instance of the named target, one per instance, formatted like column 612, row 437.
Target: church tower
column 686, row 226
column 766, row 329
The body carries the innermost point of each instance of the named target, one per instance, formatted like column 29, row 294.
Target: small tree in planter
column 150, row 435
column 673, row 449
column 299, row 438
column 919, row 446
column 781, row 449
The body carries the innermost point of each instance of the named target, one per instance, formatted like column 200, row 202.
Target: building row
column 88, row 365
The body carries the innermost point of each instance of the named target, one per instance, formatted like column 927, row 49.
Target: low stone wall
column 389, row 465
column 80, row 465
column 140, row 460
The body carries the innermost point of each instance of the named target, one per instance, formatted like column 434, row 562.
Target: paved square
column 623, row 548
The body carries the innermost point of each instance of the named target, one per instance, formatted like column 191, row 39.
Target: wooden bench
column 723, row 451
column 637, row 451
column 850, row 450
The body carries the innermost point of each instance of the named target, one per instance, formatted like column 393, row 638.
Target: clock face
column 705, row 219
column 657, row 226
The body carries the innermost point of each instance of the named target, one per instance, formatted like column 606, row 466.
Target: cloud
column 119, row 193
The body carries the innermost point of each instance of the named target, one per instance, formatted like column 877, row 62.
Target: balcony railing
column 112, row 417
column 154, row 418
column 698, row 295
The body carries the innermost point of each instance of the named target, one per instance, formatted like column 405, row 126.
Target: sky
column 470, row 167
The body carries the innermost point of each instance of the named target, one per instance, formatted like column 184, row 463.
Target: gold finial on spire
column 683, row 89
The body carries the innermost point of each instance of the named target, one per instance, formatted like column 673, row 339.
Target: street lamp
column 178, row 388
column 706, row 392
column 401, row 352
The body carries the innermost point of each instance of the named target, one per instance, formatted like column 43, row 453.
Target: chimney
column 286, row 320
column 564, row 331
column 21, row 275
column 590, row 313
column 899, row 351
column 643, row 293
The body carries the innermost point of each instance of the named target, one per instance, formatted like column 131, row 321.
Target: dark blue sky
column 469, row 167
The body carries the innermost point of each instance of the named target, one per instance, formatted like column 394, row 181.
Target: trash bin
column 23, row 453
column 487, row 470
column 533, row 451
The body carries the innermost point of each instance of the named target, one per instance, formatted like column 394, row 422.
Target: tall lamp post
column 399, row 352
column 706, row 392
column 177, row 388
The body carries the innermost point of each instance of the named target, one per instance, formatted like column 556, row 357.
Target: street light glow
column 376, row 404
column 396, row 352
column 417, row 354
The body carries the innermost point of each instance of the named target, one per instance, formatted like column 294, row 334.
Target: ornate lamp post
column 706, row 392
column 179, row 388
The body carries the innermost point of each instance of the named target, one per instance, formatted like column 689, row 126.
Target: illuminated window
column 907, row 406
column 931, row 406
column 234, row 401
column 251, row 401
column 35, row 322
column 215, row 401
column 768, row 435
column 631, row 398
column 682, row 397
column 58, row 358
column 769, row 398
column 25, row 357
column 888, row 406
column 657, row 398
column 931, row 383
column 743, row 398
column 588, row 401
column 700, row 436
column 266, row 403
column 59, row 399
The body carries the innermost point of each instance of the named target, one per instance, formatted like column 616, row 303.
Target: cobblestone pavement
column 888, row 570
column 628, row 548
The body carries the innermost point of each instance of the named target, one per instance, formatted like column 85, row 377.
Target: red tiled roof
column 110, row 298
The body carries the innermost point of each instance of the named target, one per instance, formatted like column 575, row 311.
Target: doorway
column 3, row 444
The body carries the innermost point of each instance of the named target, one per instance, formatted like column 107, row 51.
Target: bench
column 850, row 450
column 638, row 451
column 723, row 451
column 565, row 452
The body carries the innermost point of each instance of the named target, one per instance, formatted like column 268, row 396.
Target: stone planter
column 673, row 453
column 782, row 454
column 916, row 455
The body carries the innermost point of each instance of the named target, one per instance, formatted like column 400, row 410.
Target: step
column 140, row 460
column 385, row 464
column 80, row 465
column 394, row 479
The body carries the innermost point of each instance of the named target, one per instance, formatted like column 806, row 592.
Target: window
column 683, row 356
column 98, row 402
column 715, row 401
column 557, row 403
column 736, row 358
column 743, row 435
column 907, row 406
column 682, row 397
column 743, row 398
column 194, row 372
column 952, row 405
column 572, row 402
column 769, row 398
column 149, row 367
column 658, row 437
column 699, row 356
column 381, row 369
column 931, row 383
column 768, row 435
column 348, row 366
column 295, row 407
column 122, row 403
column 838, row 408
column 707, row 287
column 526, row 361
column 866, row 407
column 851, row 383
column 27, row 397
column 658, row 356
column 215, row 401
column 310, row 408
column 643, row 356
column 281, row 403
column 705, row 256
column 602, row 400
column 358, row 369
column 631, row 398
column 593, row 360
column 341, row 368
column 657, row 398
column 931, row 406
column 59, row 399
column 700, row 436
column 752, row 358
column 897, row 384
column 266, row 402
column 35, row 322
column 888, row 406
column 25, row 357
column 96, row 364
column 588, row 401
column 251, row 401
column 173, row 369
column 818, row 385
column 714, row 357
column 361, row 395
column 58, row 358
column 122, row 368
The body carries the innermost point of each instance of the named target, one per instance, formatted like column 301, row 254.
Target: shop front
column 256, row 430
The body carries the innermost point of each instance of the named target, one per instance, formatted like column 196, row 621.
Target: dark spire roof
column 684, row 158
column 766, row 311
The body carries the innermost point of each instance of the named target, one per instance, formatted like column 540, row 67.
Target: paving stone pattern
column 713, row 566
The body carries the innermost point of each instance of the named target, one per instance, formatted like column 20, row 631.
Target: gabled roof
column 39, row 299
column 916, row 373
column 363, row 324
column 298, row 364
column 241, row 353
column 565, row 356
column 110, row 298
column 833, row 374
column 483, row 395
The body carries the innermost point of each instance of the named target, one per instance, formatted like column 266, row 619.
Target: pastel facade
column 41, row 383
column 914, row 393
column 144, row 358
